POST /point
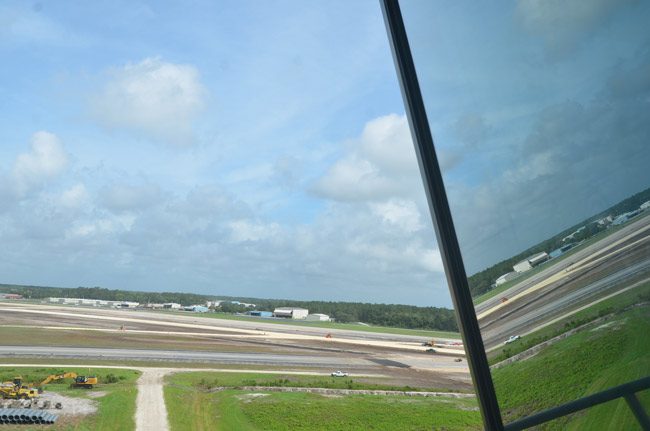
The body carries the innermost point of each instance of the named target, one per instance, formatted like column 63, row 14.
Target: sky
column 261, row 148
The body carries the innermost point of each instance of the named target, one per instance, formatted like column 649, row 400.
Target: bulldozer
column 15, row 390
column 86, row 382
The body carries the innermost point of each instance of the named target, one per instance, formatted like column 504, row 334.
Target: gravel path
column 150, row 413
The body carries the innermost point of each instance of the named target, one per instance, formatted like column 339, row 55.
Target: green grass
column 209, row 380
column 614, row 304
column 329, row 325
column 585, row 363
column 500, row 289
column 192, row 406
column 116, row 409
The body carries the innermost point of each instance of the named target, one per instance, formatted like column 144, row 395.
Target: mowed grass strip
column 194, row 404
column 587, row 362
column 207, row 381
column 116, row 409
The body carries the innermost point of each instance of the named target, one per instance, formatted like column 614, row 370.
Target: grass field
column 609, row 354
column 192, row 405
column 329, row 325
column 116, row 408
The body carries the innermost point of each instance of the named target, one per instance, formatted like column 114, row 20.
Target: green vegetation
column 116, row 408
column 613, row 305
column 587, row 362
column 193, row 404
column 208, row 381
column 481, row 282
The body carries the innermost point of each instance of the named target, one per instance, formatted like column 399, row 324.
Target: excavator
column 15, row 390
column 79, row 381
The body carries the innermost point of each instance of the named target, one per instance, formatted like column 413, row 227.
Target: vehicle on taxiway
column 512, row 339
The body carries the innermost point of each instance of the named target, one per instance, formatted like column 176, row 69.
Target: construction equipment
column 79, row 381
column 15, row 390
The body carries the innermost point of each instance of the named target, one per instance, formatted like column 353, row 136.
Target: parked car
column 339, row 373
column 512, row 339
column 458, row 360
column 431, row 350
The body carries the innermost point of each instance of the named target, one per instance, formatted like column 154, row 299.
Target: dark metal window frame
column 452, row 258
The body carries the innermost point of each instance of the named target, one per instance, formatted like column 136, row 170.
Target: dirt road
column 150, row 411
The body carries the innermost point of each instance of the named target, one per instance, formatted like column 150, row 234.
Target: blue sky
column 261, row 148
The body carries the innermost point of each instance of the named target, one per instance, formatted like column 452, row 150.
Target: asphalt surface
column 270, row 359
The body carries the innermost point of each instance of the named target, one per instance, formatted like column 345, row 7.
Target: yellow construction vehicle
column 79, row 381
column 15, row 390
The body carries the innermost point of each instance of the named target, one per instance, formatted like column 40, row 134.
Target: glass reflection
column 540, row 114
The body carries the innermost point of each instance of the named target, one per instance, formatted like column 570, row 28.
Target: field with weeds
column 196, row 401
column 605, row 355
column 116, row 405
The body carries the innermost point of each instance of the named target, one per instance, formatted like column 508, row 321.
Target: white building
column 172, row 306
column 318, row 317
column 506, row 277
column 291, row 312
column 530, row 262
column 94, row 302
column 645, row 205
column 522, row 266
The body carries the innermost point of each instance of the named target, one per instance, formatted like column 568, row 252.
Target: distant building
column 645, row 205
column 10, row 296
column 197, row 308
column 291, row 312
column 522, row 266
column 258, row 313
column 153, row 305
column 171, row 306
column 506, row 277
column 214, row 304
column 531, row 261
column 93, row 302
column 318, row 317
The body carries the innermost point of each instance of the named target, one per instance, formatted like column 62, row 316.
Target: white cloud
column 401, row 213
column 45, row 160
column 158, row 99
column 381, row 163
column 74, row 197
column 244, row 230
column 123, row 197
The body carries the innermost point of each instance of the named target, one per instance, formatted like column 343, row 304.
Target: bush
column 112, row 378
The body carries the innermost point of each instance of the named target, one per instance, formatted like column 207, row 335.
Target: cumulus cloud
column 127, row 197
column 45, row 161
column 381, row 163
column 155, row 98
column 74, row 197
column 562, row 24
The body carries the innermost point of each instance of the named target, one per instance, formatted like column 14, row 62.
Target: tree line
column 393, row 315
